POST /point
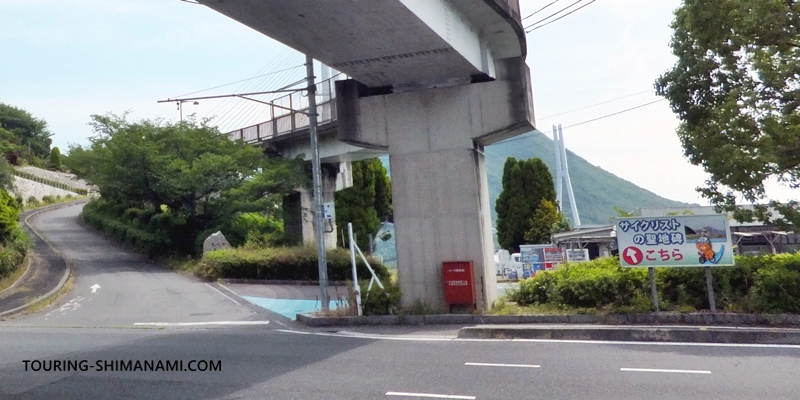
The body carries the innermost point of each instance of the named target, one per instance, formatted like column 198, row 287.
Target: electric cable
column 553, row 14
column 543, row 25
column 539, row 10
column 590, row 120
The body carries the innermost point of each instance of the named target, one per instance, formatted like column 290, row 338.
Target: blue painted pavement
column 289, row 308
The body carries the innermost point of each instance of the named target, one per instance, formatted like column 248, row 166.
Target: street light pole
column 319, row 224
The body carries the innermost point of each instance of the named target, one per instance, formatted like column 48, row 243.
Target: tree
column 736, row 91
column 525, row 184
column 181, row 180
column 6, row 175
column 367, row 204
column 55, row 158
column 544, row 220
column 27, row 131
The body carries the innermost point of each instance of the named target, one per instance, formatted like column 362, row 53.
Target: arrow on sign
column 95, row 287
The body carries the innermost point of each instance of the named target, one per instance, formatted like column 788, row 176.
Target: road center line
column 201, row 323
column 502, row 365
column 677, row 371
column 226, row 296
column 430, row 395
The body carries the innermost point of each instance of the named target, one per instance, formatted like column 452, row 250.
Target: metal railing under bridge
column 282, row 121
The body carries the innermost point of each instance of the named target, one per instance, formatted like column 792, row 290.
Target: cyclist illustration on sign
column 706, row 251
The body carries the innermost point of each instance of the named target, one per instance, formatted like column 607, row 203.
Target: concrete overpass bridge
column 433, row 82
column 287, row 133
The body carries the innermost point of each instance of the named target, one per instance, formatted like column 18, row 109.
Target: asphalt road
column 273, row 361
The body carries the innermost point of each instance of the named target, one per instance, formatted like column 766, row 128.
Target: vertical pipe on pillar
column 319, row 228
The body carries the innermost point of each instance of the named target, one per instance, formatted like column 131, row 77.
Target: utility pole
column 319, row 225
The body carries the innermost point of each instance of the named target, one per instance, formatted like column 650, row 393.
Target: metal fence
column 283, row 121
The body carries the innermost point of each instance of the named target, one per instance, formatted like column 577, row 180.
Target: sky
column 65, row 61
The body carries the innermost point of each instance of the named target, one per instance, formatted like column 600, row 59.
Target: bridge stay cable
column 238, row 113
column 249, row 84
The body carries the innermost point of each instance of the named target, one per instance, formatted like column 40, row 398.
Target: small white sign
column 327, row 211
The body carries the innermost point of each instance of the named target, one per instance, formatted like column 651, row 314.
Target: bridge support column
column 435, row 140
column 298, row 224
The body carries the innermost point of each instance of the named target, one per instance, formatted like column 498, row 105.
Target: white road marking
column 226, row 296
column 94, row 288
column 228, row 289
column 201, row 323
column 557, row 341
column 677, row 371
column 430, row 395
column 502, row 365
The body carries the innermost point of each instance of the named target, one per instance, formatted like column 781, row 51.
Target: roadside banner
column 674, row 241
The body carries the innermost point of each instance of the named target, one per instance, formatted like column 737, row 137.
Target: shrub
column 55, row 158
column 48, row 200
column 595, row 283
column 126, row 229
column 776, row 286
column 377, row 301
column 32, row 202
column 282, row 263
column 755, row 284
column 9, row 215
column 13, row 253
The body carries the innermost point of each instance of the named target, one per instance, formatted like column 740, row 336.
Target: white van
column 515, row 267
column 502, row 262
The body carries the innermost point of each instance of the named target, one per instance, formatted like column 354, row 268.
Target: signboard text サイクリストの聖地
column 674, row 241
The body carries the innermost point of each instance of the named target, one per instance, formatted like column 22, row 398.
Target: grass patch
column 34, row 306
column 6, row 282
column 34, row 203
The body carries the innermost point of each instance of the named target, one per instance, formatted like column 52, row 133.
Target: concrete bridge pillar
column 298, row 223
column 435, row 139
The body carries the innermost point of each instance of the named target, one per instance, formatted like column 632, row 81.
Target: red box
column 459, row 284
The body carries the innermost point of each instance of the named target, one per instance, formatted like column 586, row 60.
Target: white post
column 559, row 178
column 356, row 287
column 576, row 219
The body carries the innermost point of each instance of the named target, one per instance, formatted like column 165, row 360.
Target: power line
column 590, row 120
column 616, row 113
column 553, row 14
column 543, row 25
column 243, row 80
column 598, row 104
column 539, row 10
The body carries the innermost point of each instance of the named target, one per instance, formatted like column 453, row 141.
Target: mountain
column 597, row 191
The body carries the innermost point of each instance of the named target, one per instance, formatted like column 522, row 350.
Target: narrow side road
column 116, row 287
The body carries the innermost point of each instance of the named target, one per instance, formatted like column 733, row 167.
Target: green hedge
column 763, row 284
column 13, row 252
column 282, row 263
column 126, row 229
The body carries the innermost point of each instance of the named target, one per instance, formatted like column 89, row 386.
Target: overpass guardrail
column 283, row 121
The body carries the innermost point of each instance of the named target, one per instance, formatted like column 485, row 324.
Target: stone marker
column 215, row 241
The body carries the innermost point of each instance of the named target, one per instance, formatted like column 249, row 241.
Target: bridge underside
column 433, row 82
column 402, row 44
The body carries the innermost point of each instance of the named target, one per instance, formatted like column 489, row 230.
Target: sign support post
column 651, row 273
column 710, row 288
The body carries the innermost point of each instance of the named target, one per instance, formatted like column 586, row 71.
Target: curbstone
column 639, row 334
column 654, row 319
